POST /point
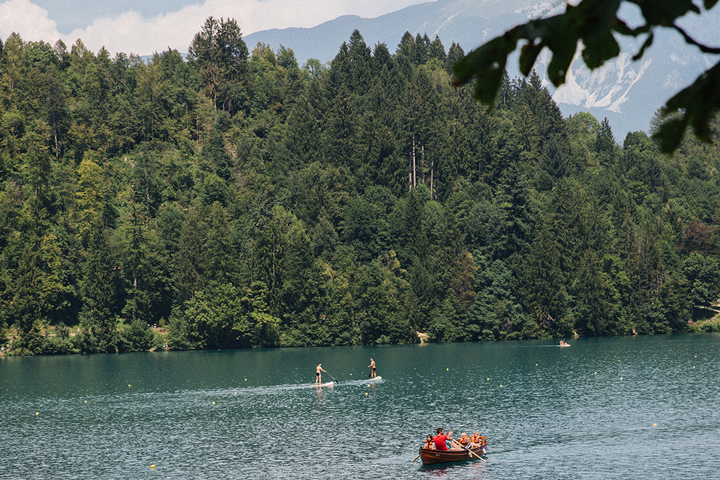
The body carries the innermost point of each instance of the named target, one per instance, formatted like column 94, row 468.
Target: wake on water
column 267, row 389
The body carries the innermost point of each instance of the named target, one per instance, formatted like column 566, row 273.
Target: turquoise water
column 637, row 407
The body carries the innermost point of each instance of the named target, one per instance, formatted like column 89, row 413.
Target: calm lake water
column 635, row 408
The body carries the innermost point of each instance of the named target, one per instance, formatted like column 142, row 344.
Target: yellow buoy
column 85, row 401
column 246, row 379
column 128, row 384
column 447, row 369
column 351, row 374
column 366, row 393
column 213, row 403
column 488, row 379
column 235, row 393
column 620, row 378
column 152, row 466
column 37, row 413
column 654, row 424
column 500, row 386
column 536, row 364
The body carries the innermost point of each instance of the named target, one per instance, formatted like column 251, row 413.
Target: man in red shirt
column 440, row 440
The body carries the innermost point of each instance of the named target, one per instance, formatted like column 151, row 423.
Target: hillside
column 239, row 201
column 627, row 93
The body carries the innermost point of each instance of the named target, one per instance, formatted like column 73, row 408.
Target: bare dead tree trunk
column 410, row 183
column 432, row 171
column 414, row 172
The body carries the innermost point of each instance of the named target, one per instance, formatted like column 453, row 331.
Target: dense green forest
column 236, row 199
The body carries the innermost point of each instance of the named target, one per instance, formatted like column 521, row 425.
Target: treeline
column 240, row 200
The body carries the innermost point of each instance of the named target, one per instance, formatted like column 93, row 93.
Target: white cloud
column 130, row 32
column 27, row 19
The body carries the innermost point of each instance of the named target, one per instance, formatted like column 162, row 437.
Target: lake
column 629, row 407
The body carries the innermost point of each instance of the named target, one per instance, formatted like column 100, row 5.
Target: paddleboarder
column 372, row 368
column 318, row 376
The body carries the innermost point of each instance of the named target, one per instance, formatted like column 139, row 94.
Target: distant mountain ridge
column 452, row 20
column 627, row 93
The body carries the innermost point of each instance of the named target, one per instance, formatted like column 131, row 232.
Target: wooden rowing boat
column 431, row 457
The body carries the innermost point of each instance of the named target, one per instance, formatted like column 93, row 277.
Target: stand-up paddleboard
column 326, row 384
column 375, row 379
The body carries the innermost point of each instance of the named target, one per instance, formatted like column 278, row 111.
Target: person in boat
column 464, row 439
column 440, row 440
column 429, row 444
column 475, row 439
column 452, row 444
column 318, row 376
column 372, row 368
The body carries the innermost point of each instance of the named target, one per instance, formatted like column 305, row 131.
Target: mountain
column 627, row 93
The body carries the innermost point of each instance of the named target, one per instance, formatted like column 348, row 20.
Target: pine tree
column 189, row 274
column 220, row 56
column 98, row 288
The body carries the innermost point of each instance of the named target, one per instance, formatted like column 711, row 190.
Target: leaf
column 600, row 49
column 593, row 22
column 486, row 64
column 563, row 53
column 670, row 134
column 590, row 18
column 484, row 59
column 645, row 45
column 697, row 105
column 528, row 55
column 622, row 28
column 665, row 12
column 487, row 87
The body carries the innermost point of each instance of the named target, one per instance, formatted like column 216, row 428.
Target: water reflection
column 320, row 391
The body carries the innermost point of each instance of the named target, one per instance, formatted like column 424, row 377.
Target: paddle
column 469, row 450
column 332, row 377
column 473, row 453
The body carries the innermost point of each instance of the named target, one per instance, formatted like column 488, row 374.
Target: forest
column 230, row 198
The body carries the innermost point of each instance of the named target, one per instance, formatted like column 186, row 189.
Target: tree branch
column 692, row 41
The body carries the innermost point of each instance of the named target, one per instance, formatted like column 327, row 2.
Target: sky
column 147, row 26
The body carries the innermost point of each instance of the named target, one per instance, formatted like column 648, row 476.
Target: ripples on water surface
column 639, row 408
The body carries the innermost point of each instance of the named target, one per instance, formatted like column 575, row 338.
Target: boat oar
column 416, row 458
column 473, row 453
column 469, row 450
